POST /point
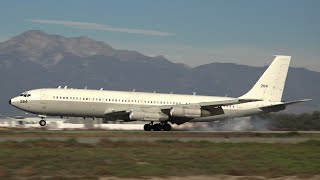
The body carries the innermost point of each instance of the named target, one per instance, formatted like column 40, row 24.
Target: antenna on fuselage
column 59, row 87
column 134, row 90
column 65, row 87
column 101, row 89
column 194, row 91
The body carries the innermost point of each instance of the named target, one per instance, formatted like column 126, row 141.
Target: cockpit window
column 25, row 94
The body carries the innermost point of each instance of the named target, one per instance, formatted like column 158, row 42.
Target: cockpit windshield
column 25, row 94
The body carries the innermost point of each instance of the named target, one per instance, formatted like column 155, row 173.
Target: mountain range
column 35, row 59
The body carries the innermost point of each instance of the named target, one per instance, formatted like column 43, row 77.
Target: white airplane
column 264, row 97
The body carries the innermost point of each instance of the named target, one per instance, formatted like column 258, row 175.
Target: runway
column 93, row 137
column 213, row 155
column 94, row 140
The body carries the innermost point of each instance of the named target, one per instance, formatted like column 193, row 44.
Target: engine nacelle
column 185, row 112
column 136, row 115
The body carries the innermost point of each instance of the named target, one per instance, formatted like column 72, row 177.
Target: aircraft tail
column 271, row 84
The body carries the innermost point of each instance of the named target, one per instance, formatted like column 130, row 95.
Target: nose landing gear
column 42, row 122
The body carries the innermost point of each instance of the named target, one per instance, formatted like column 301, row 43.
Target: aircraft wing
column 123, row 111
column 227, row 102
column 212, row 104
column 166, row 108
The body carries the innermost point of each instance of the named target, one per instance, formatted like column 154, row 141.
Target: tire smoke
column 238, row 124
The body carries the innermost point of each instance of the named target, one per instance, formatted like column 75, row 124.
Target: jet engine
column 136, row 115
column 185, row 112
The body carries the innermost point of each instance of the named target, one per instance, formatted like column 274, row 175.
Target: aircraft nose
column 10, row 101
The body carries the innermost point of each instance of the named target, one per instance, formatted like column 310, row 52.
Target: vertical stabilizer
column 270, row 86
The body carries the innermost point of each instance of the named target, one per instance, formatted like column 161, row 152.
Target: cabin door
column 43, row 97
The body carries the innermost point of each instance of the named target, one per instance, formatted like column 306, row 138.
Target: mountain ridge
column 23, row 68
column 47, row 49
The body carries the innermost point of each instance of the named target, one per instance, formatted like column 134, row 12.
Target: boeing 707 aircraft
column 159, row 109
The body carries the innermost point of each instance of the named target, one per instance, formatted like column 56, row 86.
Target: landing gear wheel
column 157, row 127
column 147, row 127
column 166, row 127
column 42, row 122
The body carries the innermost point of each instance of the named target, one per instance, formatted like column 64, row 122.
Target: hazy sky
column 188, row 31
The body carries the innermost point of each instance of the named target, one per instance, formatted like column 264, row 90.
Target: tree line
column 293, row 122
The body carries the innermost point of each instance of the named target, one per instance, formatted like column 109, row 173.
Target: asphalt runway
column 94, row 140
column 93, row 137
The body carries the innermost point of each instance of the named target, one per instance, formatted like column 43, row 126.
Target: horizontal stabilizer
column 296, row 102
column 282, row 106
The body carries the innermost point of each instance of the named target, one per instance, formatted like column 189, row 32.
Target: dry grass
column 72, row 160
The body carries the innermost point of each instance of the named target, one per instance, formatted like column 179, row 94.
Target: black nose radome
column 10, row 102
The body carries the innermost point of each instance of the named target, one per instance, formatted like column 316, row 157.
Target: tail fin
column 270, row 86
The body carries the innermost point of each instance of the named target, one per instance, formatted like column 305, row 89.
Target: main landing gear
column 42, row 122
column 157, row 127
